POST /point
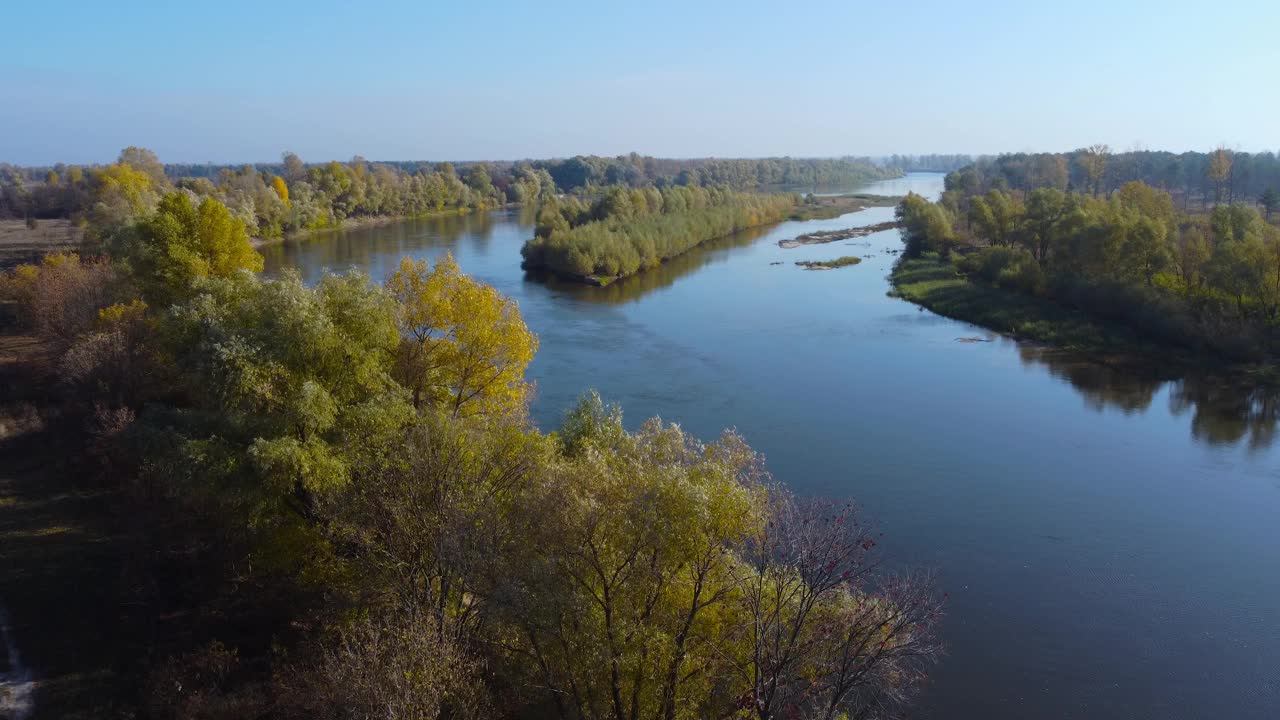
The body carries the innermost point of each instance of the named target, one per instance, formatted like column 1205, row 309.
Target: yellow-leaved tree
column 182, row 243
column 463, row 344
column 121, row 194
column 282, row 189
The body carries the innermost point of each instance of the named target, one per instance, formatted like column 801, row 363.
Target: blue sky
column 242, row 81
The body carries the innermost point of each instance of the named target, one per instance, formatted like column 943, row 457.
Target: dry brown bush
column 60, row 298
column 387, row 666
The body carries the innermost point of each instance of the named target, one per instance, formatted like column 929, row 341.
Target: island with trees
column 628, row 230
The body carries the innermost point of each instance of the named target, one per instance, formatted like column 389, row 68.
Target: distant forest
column 928, row 163
column 274, row 199
column 1195, row 179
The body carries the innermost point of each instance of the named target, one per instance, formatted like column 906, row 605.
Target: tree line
column 627, row 230
column 928, row 163
column 584, row 171
column 269, row 204
column 1196, row 180
column 350, row 514
column 1208, row 281
column 277, row 198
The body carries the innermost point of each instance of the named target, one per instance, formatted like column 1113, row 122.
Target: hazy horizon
column 504, row 81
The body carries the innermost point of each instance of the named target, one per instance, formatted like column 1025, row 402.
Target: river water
column 1110, row 544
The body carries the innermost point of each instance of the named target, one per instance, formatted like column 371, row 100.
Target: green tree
column 1191, row 251
column 291, row 389
column 145, row 161
column 1270, row 201
column 180, row 244
column 926, row 225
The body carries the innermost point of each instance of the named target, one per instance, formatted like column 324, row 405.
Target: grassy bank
column 827, row 207
column 934, row 283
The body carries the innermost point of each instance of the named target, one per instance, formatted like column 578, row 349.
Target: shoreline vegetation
column 827, row 236
column 354, row 223
column 825, row 207
column 839, row 262
column 935, row 284
column 1118, row 271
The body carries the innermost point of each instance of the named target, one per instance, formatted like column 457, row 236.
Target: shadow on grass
column 61, row 554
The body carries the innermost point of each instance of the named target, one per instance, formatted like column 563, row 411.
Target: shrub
column 60, row 298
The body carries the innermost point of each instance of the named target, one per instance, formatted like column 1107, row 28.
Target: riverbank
column 934, row 283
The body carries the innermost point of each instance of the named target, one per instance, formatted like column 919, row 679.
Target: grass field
column 19, row 243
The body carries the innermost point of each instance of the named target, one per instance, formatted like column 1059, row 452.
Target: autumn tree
column 121, row 194
column 281, row 189
column 463, row 344
column 182, row 243
column 1219, row 171
column 628, row 584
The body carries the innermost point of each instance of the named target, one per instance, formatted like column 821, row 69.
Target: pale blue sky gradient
column 241, row 81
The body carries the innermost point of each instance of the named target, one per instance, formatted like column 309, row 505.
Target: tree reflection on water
column 1224, row 411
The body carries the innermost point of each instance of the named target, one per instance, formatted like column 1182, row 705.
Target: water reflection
column 1223, row 412
column 636, row 286
column 1101, row 387
column 377, row 246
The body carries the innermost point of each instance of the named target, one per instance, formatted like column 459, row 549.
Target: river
column 1110, row 544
